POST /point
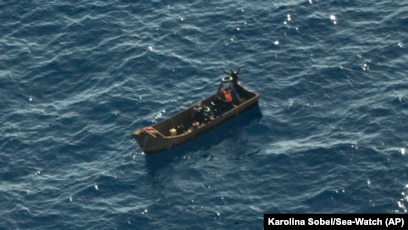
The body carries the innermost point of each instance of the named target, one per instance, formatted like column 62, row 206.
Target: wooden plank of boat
column 184, row 126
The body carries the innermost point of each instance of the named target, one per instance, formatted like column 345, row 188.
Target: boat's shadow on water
column 228, row 129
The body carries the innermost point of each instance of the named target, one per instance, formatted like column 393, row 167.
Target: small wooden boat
column 186, row 125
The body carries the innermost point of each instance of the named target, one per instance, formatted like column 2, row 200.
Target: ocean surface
column 329, row 134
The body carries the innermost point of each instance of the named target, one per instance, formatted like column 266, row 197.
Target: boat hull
column 159, row 136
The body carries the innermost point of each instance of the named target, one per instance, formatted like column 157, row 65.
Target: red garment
column 227, row 95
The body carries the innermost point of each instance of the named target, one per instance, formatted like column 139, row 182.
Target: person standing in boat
column 227, row 95
column 230, row 94
column 234, row 75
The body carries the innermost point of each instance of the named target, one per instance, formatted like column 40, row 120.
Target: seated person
column 201, row 114
column 198, row 114
column 229, row 94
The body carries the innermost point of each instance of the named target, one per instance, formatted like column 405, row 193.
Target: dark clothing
column 235, row 84
column 198, row 114
column 235, row 96
column 234, row 76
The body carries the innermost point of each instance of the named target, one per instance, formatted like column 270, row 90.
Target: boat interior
column 198, row 115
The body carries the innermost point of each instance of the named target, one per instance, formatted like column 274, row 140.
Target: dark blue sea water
column 330, row 134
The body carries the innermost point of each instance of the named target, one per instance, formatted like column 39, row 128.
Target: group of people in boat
column 226, row 98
